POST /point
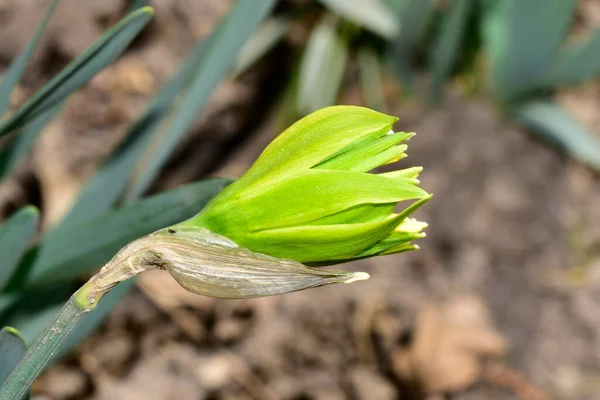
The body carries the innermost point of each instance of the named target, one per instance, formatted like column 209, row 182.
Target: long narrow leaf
column 520, row 38
column 552, row 122
column 219, row 55
column 105, row 187
column 12, row 350
column 16, row 70
column 446, row 50
column 104, row 51
column 19, row 145
column 575, row 62
column 322, row 68
column 67, row 253
column 370, row 14
column 15, row 236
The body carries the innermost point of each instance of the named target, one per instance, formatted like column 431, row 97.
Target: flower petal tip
column 357, row 276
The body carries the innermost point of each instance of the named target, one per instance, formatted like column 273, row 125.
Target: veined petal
column 318, row 243
column 308, row 142
column 390, row 155
column 310, row 195
column 409, row 173
column 353, row 155
column 357, row 214
column 395, row 240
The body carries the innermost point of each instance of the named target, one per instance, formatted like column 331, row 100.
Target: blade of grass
column 321, row 68
column 575, row 62
column 447, row 47
column 17, row 68
column 370, row 14
column 101, row 53
column 219, row 55
column 68, row 253
column 520, row 38
column 553, row 123
column 15, row 236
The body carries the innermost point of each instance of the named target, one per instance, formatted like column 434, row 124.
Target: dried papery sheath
column 212, row 265
column 209, row 264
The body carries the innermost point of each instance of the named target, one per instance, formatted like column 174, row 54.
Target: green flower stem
column 45, row 347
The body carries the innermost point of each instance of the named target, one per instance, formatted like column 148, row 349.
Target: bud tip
column 357, row 276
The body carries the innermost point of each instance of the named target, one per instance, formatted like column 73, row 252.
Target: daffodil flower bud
column 308, row 199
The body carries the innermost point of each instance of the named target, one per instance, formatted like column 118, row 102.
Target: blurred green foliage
column 515, row 52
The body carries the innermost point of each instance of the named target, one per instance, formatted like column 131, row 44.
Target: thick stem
column 43, row 350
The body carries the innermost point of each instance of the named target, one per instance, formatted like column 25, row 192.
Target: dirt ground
column 500, row 302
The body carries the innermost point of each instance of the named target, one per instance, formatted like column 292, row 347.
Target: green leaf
column 446, row 50
column 370, row 14
column 520, row 39
column 18, row 146
column 15, row 236
column 68, row 253
column 575, row 62
column 12, row 350
column 101, row 53
column 266, row 38
column 103, row 189
column 322, row 68
column 219, row 55
column 17, row 68
column 370, row 77
column 553, row 123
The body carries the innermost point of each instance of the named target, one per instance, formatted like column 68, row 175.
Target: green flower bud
column 310, row 197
